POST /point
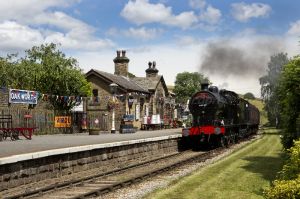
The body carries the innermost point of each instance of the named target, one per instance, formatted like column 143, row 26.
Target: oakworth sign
column 22, row 96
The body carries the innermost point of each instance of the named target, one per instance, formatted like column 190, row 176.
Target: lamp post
column 113, row 89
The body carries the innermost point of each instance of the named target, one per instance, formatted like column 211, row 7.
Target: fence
column 44, row 120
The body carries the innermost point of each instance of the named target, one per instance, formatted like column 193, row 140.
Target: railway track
column 99, row 184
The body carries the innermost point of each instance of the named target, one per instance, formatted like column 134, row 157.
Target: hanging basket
column 113, row 104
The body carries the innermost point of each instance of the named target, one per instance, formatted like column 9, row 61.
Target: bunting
column 68, row 100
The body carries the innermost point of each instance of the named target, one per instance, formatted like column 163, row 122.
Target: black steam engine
column 220, row 117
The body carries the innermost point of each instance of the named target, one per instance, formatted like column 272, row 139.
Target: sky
column 229, row 41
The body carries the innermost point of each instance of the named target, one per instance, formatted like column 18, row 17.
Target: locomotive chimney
column 204, row 85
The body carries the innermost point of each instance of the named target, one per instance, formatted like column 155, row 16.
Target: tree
column 269, row 84
column 47, row 70
column 186, row 84
column 288, row 93
column 249, row 96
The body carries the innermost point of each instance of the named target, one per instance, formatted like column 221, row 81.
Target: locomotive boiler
column 220, row 117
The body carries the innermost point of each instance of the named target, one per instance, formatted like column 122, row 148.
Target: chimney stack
column 204, row 85
column 151, row 71
column 121, row 63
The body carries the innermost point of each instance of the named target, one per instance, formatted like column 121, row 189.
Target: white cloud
column 142, row 12
column 15, row 36
column 142, row 33
column 294, row 28
column 85, row 43
column 31, row 15
column 187, row 41
column 211, row 15
column 243, row 12
column 25, row 10
column 197, row 4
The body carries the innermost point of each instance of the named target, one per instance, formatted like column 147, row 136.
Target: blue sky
column 229, row 41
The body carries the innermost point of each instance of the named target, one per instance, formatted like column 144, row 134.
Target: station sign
column 62, row 121
column 17, row 96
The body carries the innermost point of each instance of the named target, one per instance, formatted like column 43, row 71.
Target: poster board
column 62, row 121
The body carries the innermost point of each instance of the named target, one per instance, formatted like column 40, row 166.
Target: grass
column 243, row 174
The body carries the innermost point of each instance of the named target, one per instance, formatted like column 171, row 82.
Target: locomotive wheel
column 236, row 139
column 232, row 139
column 222, row 141
column 227, row 142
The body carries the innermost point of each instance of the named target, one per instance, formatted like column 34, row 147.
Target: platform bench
column 7, row 130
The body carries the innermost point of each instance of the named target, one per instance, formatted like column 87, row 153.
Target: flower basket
column 112, row 104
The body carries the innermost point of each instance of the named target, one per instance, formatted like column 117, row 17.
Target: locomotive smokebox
column 204, row 85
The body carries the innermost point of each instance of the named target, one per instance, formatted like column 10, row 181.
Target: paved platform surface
column 50, row 142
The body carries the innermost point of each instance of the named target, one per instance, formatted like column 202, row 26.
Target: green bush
column 288, row 185
column 284, row 189
column 291, row 169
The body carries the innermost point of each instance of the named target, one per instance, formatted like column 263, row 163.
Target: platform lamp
column 113, row 88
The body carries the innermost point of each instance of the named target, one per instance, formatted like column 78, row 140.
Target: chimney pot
column 149, row 64
column 118, row 53
column 154, row 64
column 123, row 53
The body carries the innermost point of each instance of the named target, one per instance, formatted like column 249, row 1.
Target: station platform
column 60, row 143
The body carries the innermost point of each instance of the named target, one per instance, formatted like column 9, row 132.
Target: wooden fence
column 44, row 121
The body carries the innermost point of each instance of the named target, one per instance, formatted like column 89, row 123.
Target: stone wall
column 34, row 170
column 101, row 107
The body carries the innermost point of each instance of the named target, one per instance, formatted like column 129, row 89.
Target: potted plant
column 95, row 130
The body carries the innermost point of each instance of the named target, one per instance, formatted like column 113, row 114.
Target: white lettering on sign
column 23, row 96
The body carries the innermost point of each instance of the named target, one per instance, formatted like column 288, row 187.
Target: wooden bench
column 7, row 129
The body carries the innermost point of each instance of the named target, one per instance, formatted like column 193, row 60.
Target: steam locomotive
column 220, row 117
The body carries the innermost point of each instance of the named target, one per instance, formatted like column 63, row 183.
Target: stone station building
column 142, row 97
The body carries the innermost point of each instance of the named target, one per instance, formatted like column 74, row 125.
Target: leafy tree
column 289, row 95
column 269, row 84
column 130, row 75
column 10, row 71
column 186, row 84
column 249, row 96
column 47, row 70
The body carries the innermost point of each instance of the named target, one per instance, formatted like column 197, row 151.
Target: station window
column 95, row 92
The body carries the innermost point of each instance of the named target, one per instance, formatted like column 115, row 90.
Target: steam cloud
column 238, row 57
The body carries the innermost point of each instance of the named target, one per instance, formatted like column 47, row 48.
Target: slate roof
column 149, row 83
column 122, row 81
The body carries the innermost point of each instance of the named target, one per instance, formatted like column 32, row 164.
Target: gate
column 98, row 120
